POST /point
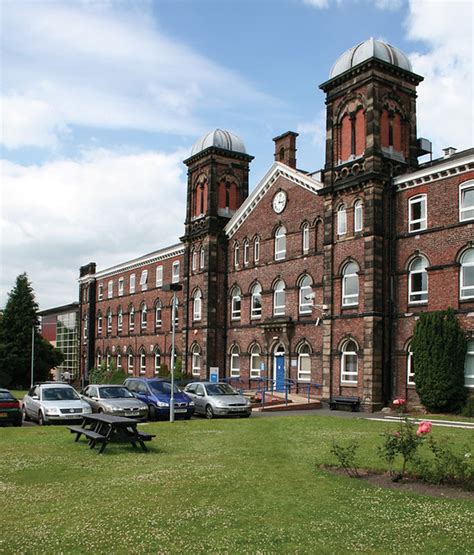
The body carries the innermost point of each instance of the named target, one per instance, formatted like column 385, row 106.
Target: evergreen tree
column 439, row 351
column 19, row 318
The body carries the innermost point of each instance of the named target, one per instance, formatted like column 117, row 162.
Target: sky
column 102, row 100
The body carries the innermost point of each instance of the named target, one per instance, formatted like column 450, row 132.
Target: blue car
column 156, row 392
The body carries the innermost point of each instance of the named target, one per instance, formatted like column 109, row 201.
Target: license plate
column 3, row 414
column 180, row 410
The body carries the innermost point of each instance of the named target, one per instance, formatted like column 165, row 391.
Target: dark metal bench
column 344, row 400
column 92, row 436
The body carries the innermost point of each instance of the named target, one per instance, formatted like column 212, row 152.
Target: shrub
column 404, row 443
column 439, row 350
column 111, row 375
column 468, row 409
column 446, row 466
column 347, row 458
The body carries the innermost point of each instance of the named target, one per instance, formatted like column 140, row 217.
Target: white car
column 54, row 402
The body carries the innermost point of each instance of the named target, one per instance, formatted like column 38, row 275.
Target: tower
column 218, row 171
column 370, row 137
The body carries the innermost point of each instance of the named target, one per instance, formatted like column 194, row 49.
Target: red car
column 10, row 411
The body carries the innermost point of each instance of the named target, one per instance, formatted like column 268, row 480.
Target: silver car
column 217, row 399
column 116, row 400
column 53, row 402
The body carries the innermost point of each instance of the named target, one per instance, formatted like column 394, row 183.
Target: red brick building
column 313, row 278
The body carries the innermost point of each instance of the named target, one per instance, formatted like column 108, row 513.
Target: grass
column 225, row 486
column 18, row 393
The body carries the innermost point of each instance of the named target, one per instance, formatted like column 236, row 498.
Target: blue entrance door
column 280, row 373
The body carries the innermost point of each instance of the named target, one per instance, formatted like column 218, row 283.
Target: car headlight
column 219, row 404
column 191, row 403
column 162, row 404
column 51, row 411
column 87, row 410
column 247, row 402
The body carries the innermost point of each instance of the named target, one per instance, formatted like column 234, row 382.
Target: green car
column 10, row 411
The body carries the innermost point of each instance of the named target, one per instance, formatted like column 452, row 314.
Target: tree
column 19, row 318
column 439, row 351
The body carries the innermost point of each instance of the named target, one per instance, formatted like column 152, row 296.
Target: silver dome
column 370, row 48
column 220, row 139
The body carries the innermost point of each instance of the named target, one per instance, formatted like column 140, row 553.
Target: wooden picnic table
column 104, row 428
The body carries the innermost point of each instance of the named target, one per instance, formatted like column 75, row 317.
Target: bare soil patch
column 409, row 484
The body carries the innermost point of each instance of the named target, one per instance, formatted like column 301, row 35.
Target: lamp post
column 172, row 287
column 32, row 354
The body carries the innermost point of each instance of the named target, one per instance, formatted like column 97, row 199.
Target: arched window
column 358, row 216
column 194, row 260
column 319, row 235
column 341, row 220
column 305, row 238
column 176, row 313
column 196, row 361
column 86, row 319
column 256, row 301
column 130, row 361
column 255, row 362
column 234, row 362
column 280, row 243
column 108, row 360
column 131, row 319
column 246, row 252
column 281, row 153
column 236, row 302
column 119, row 360
column 467, row 275
column 142, row 362
column 350, row 285
column 158, row 314
column 305, row 290
column 349, row 363
column 202, row 258
column 304, row 363
column 99, row 359
column 466, row 201
column 256, row 249
column 119, row 319
column 469, row 365
column 157, row 360
column 143, row 318
column 236, row 255
column 99, row 323
column 109, row 321
column 197, row 305
column 417, row 220
column 410, row 367
column 418, row 281
column 279, row 298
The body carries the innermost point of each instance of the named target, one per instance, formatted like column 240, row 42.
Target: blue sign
column 214, row 374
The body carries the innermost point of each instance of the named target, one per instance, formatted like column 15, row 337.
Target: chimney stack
column 285, row 149
column 449, row 151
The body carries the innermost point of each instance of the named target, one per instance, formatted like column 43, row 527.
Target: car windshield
column 6, row 396
column 114, row 393
column 59, row 394
column 220, row 389
column 163, row 388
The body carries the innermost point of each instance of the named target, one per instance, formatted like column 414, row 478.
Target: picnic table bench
column 344, row 400
column 104, row 428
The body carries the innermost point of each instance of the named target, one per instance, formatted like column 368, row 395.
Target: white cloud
column 320, row 4
column 104, row 65
column 106, row 207
column 445, row 96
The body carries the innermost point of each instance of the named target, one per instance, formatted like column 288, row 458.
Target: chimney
column 449, row 151
column 285, row 148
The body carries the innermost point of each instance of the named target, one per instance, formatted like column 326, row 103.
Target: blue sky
column 102, row 100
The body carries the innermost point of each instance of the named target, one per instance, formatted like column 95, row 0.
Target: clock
column 279, row 202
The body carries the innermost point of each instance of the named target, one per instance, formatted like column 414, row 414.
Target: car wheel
column 26, row 418
column 152, row 412
column 42, row 420
column 187, row 417
column 209, row 412
column 247, row 415
column 17, row 423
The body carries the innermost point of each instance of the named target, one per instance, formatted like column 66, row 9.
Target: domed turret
column 220, row 139
column 370, row 48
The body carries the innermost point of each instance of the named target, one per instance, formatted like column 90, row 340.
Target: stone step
column 314, row 404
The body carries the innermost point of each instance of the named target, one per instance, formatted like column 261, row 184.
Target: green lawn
column 226, row 486
column 18, row 393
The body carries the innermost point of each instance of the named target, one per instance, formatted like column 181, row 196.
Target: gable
column 276, row 171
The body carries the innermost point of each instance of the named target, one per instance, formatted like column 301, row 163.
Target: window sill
column 350, row 384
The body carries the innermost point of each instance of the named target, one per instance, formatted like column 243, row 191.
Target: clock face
column 279, row 202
